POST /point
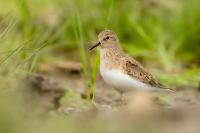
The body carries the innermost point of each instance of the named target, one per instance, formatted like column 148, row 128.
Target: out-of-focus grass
column 163, row 34
column 83, row 55
column 89, row 78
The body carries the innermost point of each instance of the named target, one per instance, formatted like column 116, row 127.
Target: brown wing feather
column 135, row 69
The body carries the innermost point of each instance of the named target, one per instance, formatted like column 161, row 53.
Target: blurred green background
column 161, row 34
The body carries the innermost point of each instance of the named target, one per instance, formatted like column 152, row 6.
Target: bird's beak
column 96, row 44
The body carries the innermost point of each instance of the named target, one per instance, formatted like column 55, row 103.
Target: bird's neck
column 110, row 52
column 110, row 56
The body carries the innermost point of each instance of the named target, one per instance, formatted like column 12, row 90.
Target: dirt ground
column 69, row 76
column 59, row 86
column 61, row 90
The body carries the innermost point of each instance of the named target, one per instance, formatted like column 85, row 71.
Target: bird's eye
column 106, row 38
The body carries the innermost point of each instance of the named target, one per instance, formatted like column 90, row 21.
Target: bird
column 121, row 71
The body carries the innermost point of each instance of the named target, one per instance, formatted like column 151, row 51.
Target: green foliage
column 84, row 59
column 166, row 32
column 89, row 78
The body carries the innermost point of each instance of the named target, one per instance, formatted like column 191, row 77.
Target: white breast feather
column 119, row 80
column 123, row 82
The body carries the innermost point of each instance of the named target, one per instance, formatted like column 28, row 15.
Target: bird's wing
column 136, row 70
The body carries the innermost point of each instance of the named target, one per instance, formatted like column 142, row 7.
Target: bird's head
column 106, row 39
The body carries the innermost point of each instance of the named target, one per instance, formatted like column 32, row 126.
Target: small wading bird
column 119, row 70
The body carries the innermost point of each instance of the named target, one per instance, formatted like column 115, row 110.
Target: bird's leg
column 121, row 98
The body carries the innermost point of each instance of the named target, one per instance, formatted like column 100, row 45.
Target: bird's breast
column 121, row 81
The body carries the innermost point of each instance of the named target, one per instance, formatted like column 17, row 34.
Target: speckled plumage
column 121, row 71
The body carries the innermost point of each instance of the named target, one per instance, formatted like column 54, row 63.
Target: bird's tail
column 166, row 89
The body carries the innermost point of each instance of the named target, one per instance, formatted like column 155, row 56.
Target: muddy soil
column 60, row 77
column 59, row 87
